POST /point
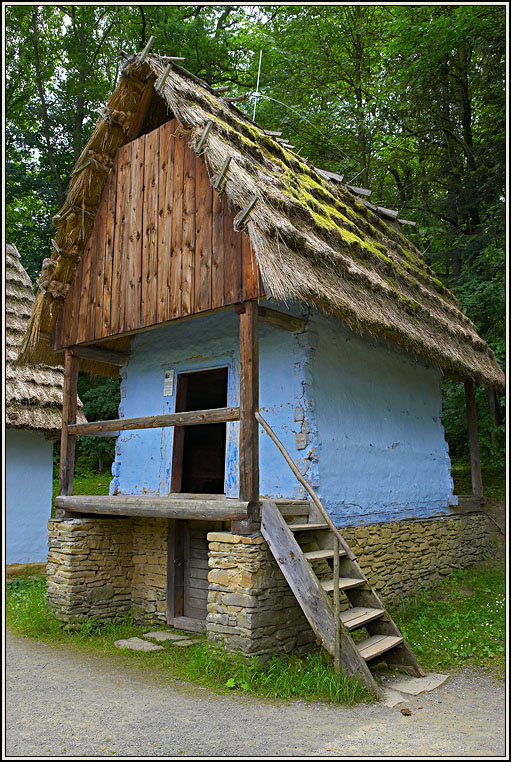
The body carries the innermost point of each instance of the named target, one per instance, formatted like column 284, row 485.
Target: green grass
column 285, row 677
column 94, row 484
column 494, row 480
column 459, row 622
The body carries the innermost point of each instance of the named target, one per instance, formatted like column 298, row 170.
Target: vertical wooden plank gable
column 165, row 199
column 189, row 221
column 203, row 238
column 149, row 311
column 104, row 330
column 116, row 303
column 177, row 228
column 132, row 255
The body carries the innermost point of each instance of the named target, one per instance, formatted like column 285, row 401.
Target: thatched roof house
column 33, row 395
column 313, row 239
column 237, row 286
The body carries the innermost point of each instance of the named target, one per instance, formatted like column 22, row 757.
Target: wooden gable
column 162, row 247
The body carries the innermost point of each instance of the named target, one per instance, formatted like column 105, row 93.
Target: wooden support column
column 475, row 460
column 249, row 404
column 67, row 441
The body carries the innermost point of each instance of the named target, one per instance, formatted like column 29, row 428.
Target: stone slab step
column 344, row 583
column 137, row 644
column 163, row 635
column 358, row 616
column 377, row 644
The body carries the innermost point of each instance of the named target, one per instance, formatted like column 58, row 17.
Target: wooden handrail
column 187, row 418
column 315, row 499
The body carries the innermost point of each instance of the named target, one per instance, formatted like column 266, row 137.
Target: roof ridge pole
column 473, row 442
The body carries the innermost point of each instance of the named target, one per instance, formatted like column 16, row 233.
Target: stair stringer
column 313, row 600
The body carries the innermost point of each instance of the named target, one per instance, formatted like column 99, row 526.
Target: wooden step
column 344, row 583
column 377, row 644
column 317, row 555
column 358, row 616
column 307, row 527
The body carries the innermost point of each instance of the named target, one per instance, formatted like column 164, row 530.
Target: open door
column 198, row 458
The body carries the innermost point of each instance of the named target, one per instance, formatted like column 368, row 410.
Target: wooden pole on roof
column 67, row 441
column 473, row 442
column 249, row 404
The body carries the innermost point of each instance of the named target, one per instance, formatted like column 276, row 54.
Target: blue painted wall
column 28, row 491
column 382, row 451
column 143, row 458
column 361, row 419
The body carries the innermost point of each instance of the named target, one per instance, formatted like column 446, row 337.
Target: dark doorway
column 198, row 459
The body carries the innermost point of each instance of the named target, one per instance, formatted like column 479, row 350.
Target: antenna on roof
column 257, row 93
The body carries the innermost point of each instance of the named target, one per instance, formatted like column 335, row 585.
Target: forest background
column 409, row 101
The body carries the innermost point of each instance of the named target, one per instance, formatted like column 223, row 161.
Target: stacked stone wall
column 149, row 581
column 399, row 558
column 250, row 605
column 89, row 569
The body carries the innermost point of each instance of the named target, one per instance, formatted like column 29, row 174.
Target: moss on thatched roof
column 314, row 241
column 33, row 395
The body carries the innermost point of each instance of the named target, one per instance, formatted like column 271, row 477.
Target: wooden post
column 249, row 404
column 67, row 442
column 475, row 461
column 337, row 609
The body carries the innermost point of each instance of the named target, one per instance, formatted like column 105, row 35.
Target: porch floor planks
column 227, row 509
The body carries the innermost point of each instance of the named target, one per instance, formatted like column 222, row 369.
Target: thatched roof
column 314, row 240
column 33, row 395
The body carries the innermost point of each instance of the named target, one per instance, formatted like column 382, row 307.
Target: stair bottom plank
column 377, row 644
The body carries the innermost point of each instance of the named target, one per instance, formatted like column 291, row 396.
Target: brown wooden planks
column 133, row 241
column 119, row 245
column 217, row 269
column 162, row 247
column 149, row 308
column 109, row 250
column 203, row 238
column 250, row 270
column 177, row 228
column 165, row 202
column 189, row 222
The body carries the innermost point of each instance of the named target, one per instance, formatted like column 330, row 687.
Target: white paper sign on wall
column 168, row 383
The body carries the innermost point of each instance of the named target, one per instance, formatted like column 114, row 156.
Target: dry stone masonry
column 106, row 567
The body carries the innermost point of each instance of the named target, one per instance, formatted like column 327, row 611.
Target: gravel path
column 63, row 703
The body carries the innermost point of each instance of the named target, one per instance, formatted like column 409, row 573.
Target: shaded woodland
column 408, row 101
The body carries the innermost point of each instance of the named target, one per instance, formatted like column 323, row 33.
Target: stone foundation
column 250, row 605
column 106, row 567
column 403, row 557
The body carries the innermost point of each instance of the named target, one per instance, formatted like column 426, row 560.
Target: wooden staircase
column 306, row 551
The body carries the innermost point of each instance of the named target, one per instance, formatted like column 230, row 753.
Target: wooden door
column 187, row 573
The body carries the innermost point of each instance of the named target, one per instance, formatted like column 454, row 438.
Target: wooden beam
column 249, row 403
column 189, row 418
column 473, row 442
column 106, row 356
column 172, row 507
column 67, row 440
column 281, row 320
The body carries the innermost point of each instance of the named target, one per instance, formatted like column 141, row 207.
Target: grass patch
column 460, row 621
column 494, row 480
column 93, row 484
column 309, row 678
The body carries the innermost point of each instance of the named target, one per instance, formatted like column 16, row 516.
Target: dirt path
column 63, row 703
